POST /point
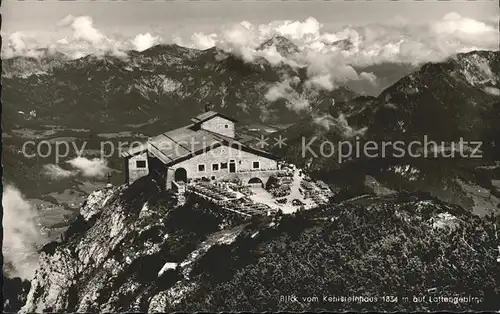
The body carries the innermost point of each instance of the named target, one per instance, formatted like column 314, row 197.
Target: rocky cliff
column 125, row 242
column 133, row 249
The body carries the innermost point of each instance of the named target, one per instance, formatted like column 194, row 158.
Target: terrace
column 292, row 190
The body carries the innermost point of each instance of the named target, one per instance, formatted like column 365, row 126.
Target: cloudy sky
column 378, row 29
column 139, row 16
column 142, row 16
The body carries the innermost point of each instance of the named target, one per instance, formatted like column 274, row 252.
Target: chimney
column 208, row 107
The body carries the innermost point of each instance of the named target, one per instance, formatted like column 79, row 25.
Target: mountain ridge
column 125, row 236
column 161, row 74
column 439, row 103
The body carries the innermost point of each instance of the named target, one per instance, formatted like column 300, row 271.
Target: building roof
column 134, row 150
column 183, row 143
column 180, row 143
column 209, row 115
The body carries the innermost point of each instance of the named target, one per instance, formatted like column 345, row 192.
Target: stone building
column 205, row 149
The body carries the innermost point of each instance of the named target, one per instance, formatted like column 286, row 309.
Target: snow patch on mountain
column 406, row 171
column 170, row 85
column 477, row 71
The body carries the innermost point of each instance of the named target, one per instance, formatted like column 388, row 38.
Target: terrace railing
column 261, row 170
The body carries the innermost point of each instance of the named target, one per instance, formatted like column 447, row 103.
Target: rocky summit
column 133, row 249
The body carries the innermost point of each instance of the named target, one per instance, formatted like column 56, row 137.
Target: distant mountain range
column 103, row 92
column 162, row 87
column 458, row 98
column 445, row 101
column 158, row 82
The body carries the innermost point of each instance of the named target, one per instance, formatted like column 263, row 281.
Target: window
column 256, row 165
column 201, row 167
column 140, row 164
column 213, row 177
column 226, row 126
column 215, row 167
column 223, row 165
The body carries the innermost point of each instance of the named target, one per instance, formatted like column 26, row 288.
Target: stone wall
column 135, row 172
column 219, row 125
column 224, row 154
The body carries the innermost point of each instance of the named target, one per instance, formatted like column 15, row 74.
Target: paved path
column 295, row 193
column 264, row 197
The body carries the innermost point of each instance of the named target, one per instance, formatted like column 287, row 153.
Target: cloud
column 369, row 77
column 492, row 91
column 96, row 167
column 307, row 30
column 21, row 44
column 17, row 41
column 22, row 236
column 84, row 30
column 241, row 40
column 362, row 45
column 145, row 41
column 324, row 121
column 455, row 23
column 339, row 124
column 56, row 172
column 202, row 41
column 272, row 55
column 278, row 91
column 347, row 130
column 91, row 168
column 284, row 90
column 324, row 51
column 322, row 81
column 84, row 39
column 324, row 54
column 238, row 39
